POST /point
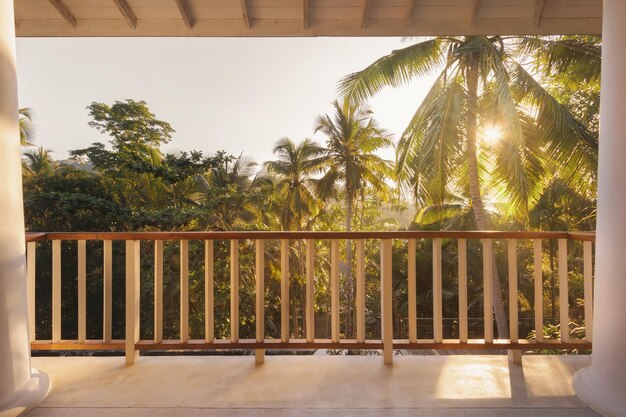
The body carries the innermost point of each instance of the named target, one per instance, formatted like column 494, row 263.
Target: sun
column 492, row 134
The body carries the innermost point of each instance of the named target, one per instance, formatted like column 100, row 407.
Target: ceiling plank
column 184, row 13
column 305, row 14
column 64, row 11
column 539, row 6
column 474, row 15
column 244, row 13
column 410, row 12
column 127, row 12
column 366, row 10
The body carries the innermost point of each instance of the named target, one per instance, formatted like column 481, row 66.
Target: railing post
column 488, row 289
column 107, row 291
column 82, row 291
column 538, row 277
column 462, row 269
column 234, row 290
column 260, row 300
column 360, row 290
column 437, row 292
column 184, row 291
column 334, row 290
column 31, row 262
column 563, row 291
column 515, row 355
column 386, row 299
column 56, row 291
column 412, row 276
column 284, row 290
column 132, row 300
column 209, row 317
column 310, row 290
column 158, row 291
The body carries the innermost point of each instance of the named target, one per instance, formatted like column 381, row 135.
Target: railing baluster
column 386, row 299
column 209, row 315
column 412, row 276
column 360, row 290
column 462, row 266
column 107, row 291
column 437, row 292
column 82, row 291
column 158, row 291
column 588, row 291
column 514, row 355
column 260, row 299
column 563, row 291
column 284, row 290
column 538, row 277
column 310, row 290
column 234, row 290
column 31, row 251
column 132, row 300
column 184, row 291
column 56, row 291
column 488, row 289
column 513, row 296
column 334, row 289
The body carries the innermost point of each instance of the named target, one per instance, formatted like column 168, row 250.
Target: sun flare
column 492, row 134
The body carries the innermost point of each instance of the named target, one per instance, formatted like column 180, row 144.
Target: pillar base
column 602, row 401
column 28, row 397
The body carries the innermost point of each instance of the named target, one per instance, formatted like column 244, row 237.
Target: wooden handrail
column 242, row 235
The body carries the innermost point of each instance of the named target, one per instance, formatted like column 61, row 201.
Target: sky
column 232, row 94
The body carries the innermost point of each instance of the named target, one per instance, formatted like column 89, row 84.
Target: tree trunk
column 349, row 280
column 478, row 207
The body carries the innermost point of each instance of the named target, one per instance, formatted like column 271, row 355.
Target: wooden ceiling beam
column 474, row 15
column 305, row 14
column 127, row 12
column 365, row 13
column 184, row 13
column 64, row 11
column 245, row 13
column 410, row 12
column 539, row 6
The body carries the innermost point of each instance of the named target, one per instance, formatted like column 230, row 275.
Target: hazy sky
column 233, row 94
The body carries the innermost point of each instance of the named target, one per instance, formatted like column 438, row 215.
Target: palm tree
column 482, row 81
column 27, row 130
column 353, row 138
column 295, row 166
column 38, row 161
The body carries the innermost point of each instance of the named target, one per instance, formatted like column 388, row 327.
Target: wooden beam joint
column 127, row 12
column 64, row 11
column 305, row 14
column 410, row 12
column 539, row 6
column 245, row 13
column 474, row 15
column 366, row 10
column 184, row 13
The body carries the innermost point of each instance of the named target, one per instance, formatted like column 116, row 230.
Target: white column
column 20, row 387
column 603, row 385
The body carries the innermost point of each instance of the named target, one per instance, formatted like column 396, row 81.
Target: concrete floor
column 312, row 386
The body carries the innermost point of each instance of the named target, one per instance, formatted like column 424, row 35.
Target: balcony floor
column 312, row 386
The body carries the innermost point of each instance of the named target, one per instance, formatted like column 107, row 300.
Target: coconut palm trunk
column 478, row 207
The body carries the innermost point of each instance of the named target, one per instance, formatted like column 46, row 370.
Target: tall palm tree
column 38, row 161
column 482, row 81
column 295, row 167
column 27, row 130
column 353, row 137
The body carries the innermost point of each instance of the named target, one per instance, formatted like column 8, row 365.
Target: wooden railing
column 132, row 343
